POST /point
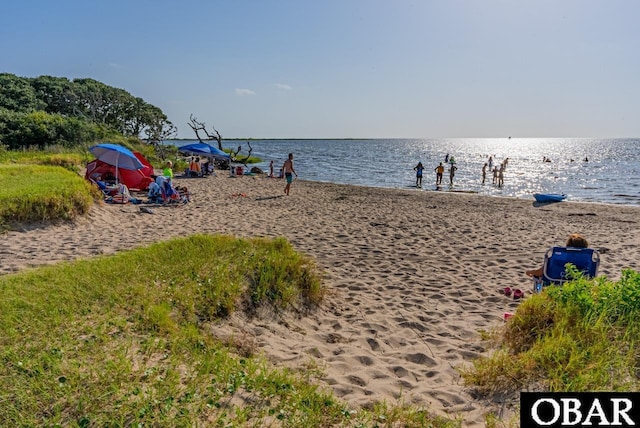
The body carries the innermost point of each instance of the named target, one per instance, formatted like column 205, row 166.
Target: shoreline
column 390, row 162
column 536, row 204
column 413, row 277
column 477, row 193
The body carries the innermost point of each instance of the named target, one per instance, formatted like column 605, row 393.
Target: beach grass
column 77, row 157
column 31, row 193
column 582, row 336
column 71, row 160
column 123, row 340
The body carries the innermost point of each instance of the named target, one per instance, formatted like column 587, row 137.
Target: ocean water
column 611, row 174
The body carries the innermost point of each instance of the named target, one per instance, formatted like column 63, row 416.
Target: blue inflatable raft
column 550, row 197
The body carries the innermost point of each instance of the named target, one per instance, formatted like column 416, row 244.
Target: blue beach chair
column 106, row 191
column 556, row 259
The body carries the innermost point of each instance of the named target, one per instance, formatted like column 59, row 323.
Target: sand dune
column 414, row 275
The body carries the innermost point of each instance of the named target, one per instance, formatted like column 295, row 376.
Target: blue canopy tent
column 206, row 150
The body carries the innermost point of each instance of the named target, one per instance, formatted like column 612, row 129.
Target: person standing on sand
column 418, row 169
column 452, row 173
column 288, row 170
column 439, row 171
column 484, row 172
column 271, row 169
column 501, row 175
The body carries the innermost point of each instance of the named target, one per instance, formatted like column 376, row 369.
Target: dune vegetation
column 582, row 336
column 122, row 340
column 31, row 193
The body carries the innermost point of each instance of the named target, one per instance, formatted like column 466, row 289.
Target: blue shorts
column 289, row 177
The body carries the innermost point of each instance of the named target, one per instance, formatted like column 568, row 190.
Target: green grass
column 123, row 341
column 582, row 336
column 35, row 192
column 69, row 160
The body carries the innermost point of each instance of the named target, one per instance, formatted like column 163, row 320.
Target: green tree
column 17, row 94
column 57, row 93
column 54, row 110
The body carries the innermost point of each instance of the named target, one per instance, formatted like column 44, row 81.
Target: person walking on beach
column 288, row 170
column 439, row 171
column 452, row 173
column 484, row 172
column 271, row 169
column 418, row 169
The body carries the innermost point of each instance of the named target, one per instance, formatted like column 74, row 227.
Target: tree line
column 47, row 110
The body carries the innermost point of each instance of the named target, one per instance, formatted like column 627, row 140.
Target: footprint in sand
column 373, row 343
column 399, row 371
column 432, row 374
column 420, row 358
column 379, row 375
column 365, row 360
column 334, row 338
column 414, row 326
column 406, row 384
column 356, row 380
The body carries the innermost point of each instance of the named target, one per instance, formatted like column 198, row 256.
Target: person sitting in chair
column 109, row 178
column 575, row 240
column 194, row 167
column 155, row 192
column 205, row 167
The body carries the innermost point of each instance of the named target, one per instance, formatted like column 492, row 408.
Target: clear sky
column 348, row 68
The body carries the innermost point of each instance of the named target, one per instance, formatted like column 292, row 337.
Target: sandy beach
column 413, row 275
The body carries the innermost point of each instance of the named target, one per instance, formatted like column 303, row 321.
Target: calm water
column 611, row 175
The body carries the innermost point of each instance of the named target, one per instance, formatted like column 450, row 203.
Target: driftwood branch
column 198, row 127
column 243, row 160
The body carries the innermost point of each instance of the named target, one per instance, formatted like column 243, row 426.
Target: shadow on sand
column 264, row 198
column 544, row 204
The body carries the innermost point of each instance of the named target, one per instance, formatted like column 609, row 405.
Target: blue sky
column 349, row 68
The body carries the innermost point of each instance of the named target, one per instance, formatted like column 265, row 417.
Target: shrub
column 578, row 337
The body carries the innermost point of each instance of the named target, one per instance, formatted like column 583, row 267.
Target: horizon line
column 398, row 138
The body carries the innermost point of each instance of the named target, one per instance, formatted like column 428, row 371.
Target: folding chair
column 106, row 191
column 586, row 260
